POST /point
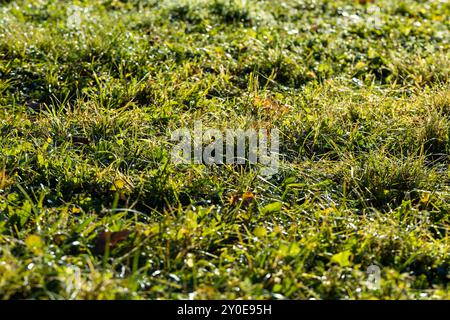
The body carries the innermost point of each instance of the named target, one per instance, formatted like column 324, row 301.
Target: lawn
column 92, row 206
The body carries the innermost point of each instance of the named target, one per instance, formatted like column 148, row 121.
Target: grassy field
column 90, row 92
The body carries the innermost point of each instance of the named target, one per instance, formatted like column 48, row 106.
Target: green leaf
column 272, row 207
column 34, row 243
column 260, row 232
column 342, row 258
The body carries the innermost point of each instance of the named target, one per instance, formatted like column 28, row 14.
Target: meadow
column 92, row 207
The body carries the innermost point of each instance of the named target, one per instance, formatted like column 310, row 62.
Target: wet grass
column 90, row 92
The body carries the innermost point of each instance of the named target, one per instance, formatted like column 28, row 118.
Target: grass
column 90, row 94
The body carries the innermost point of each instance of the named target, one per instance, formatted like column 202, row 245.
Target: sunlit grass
column 359, row 91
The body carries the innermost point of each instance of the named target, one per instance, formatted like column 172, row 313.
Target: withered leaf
column 110, row 239
column 80, row 140
column 244, row 199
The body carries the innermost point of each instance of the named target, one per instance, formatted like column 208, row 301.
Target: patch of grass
column 90, row 92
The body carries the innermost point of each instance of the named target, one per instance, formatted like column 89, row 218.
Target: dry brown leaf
column 270, row 107
column 80, row 140
column 246, row 199
column 110, row 239
column 365, row 1
column 5, row 181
